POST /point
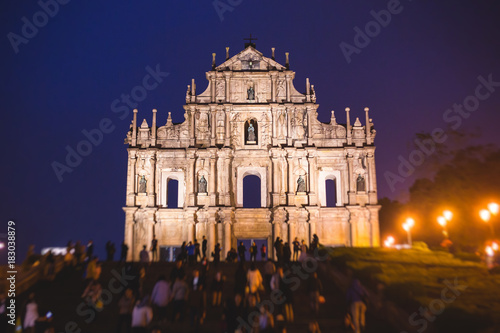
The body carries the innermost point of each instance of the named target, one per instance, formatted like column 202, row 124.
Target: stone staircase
column 62, row 297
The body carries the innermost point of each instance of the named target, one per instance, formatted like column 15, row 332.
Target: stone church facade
column 251, row 120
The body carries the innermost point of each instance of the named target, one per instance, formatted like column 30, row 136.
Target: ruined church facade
column 314, row 178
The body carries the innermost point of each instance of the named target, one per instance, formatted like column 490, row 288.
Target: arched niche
column 251, row 123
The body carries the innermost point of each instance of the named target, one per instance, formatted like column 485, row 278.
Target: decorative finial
column 227, row 52
column 287, row 63
column 213, row 60
column 272, row 52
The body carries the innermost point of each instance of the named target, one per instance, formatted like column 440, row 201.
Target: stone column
column 276, row 180
column 191, row 177
column 153, row 129
column 351, row 181
column 134, row 129
column 129, row 231
column 132, row 160
column 213, row 123
column 228, row 223
column 151, row 180
column 192, row 114
column 211, row 234
column 227, row 112
column 212, row 89
column 273, row 87
column 313, row 178
column 372, row 179
column 212, row 190
column 288, row 88
column 227, row 77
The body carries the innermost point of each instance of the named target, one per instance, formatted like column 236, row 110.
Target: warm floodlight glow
column 2, row 245
column 442, row 221
column 493, row 208
column 485, row 215
column 489, row 251
column 448, row 215
column 406, row 227
column 410, row 222
column 389, row 242
column 494, row 246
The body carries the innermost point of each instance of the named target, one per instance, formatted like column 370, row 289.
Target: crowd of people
column 195, row 285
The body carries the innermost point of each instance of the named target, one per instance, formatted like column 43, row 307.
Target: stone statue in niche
column 360, row 183
column 202, row 185
column 281, row 88
column 220, row 89
column 301, row 184
column 251, row 94
column 142, row 184
column 251, row 132
column 281, row 125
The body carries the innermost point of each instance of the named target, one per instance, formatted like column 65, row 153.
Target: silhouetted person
column 124, row 252
column 296, row 249
column 144, row 255
column 125, row 307
column 110, row 251
column 287, row 253
column 263, row 252
column 241, row 251
column 204, row 247
column 90, row 250
column 253, row 252
column 217, row 250
column 154, row 249
column 197, row 251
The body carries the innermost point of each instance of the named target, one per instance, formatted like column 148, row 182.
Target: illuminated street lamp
column 493, row 207
column 442, row 221
column 389, row 242
column 485, row 215
column 409, row 223
column 494, row 246
column 448, row 215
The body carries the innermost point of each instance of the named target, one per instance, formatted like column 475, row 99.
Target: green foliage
column 405, row 294
column 422, row 246
column 467, row 256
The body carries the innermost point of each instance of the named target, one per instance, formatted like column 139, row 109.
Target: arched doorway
column 331, row 192
column 251, row 192
column 172, row 193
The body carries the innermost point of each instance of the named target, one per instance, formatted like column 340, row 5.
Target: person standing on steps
column 355, row 298
column 124, row 252
column 253, row 252
column 296, row 249
column 204, row 247
column 241, row 251
column 154, row 249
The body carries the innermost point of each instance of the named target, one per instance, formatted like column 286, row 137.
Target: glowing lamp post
column 485, row 215
column 409, row 223
column 493, row 207
column 443, row 221
column 2, row 245
column 389, row 242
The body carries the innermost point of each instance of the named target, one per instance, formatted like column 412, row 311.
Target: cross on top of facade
column 250, row 39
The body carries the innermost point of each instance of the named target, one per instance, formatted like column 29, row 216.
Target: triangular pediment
column 249, row 59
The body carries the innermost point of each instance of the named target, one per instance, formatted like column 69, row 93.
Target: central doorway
column 169, row 253
column 248, row 243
